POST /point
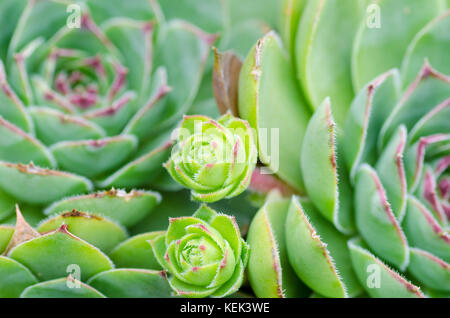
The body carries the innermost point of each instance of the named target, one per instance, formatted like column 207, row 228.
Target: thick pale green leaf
column 13, row 109
column 7, row 204
column 136, row 252
column 430, row 270
column 233, row 284
column 189, row 291
column 385, row 33
column 368, row 111
column 59, row 288
column 94, row 157
column 378, row 279
column 115, row 116
column 434, row 122
column 173, row 204
column 31, row 25
column 323, row 269
column 424, row 232
column 132, row 283
column 429, row 89
column 241, row 36
column 253, row 10
column 270, row 101
column 206, row 14
column 134, row 40
column 50, row 255
column 290, row 18
column 103, row 10
column 269, row 271
column 183, row 49
column 323, row 52
column 6, row 233
column 10, row 11
column 391, row 172
column 144, row 118
column 40, row 186
column 374, row 216
column 19, row 147
column 319, row 163
column 53, row 126
column 14, row 278
column 429, row 44
column 95, row 230
column 428, row 194
column 141, row 171
column 416, row 154
column 118, row 205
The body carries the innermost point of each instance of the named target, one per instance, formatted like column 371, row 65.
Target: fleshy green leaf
column 374, row 216
column 13, row 109
column 429, row 43
column 377, row 278
column 59, row 288
column 50, row 255
column 430, row 270
column 53, row 126
column 19, row 147
column 14, row 278
column 125, row 208
column 40, row 186
column 323, row 59
column 141, row 171
column 6, row 233
column 385, row 33
column 368, row 111
column 136, row 252
column 132, row 283
column 269, row 271
column 391, row 171
column 95, row 230
column 424, row 232
column 309, row 255
column 270, row 101
column 429, row 89
column 94, row 157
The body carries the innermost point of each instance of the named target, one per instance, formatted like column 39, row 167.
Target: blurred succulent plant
column 92, row 100
column 375, row 167
column 80, row 255
column 215, row 159
column 204, row 254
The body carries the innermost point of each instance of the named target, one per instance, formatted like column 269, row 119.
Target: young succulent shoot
column 204, row 254
column 215, row 159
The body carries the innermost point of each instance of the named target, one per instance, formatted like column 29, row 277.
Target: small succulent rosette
column 205, row 254
column 215, row 159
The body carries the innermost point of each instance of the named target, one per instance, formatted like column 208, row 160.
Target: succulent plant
column 90, row 91
column 331, row 151
column 78, row 255
column 370, row 152
column 204, row 254
column 78, row 101
column 215, row 159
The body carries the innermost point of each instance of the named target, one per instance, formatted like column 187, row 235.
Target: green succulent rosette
column 215, row 159
column 205, row 254
column 77, row 254
column 79, row 92
column 364, row 136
